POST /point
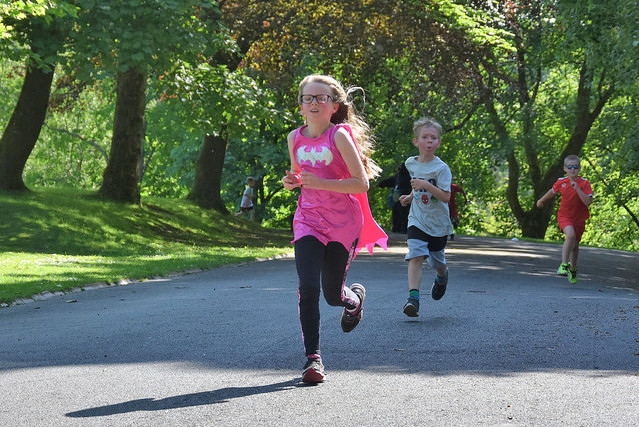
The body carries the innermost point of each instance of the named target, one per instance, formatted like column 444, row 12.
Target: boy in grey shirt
column 429, row 222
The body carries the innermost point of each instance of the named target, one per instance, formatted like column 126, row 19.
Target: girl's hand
column 307, row 179
column 291, row 180
column 310, row 180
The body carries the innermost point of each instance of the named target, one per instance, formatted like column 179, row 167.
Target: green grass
column 60, row 239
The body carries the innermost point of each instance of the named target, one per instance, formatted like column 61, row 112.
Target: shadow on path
column 185, row 400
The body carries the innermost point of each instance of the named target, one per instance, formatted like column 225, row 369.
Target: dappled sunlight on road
column 495, row 252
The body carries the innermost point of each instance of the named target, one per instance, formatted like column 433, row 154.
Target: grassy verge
column 59, row 239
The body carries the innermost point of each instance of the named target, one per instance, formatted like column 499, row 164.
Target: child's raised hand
column 291, row 180
column 414, row 183
column 406, row 199
column 310, row 180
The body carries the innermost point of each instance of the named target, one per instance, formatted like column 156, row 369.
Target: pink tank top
column 327, row 215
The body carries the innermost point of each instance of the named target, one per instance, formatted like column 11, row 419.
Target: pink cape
column 371, row 234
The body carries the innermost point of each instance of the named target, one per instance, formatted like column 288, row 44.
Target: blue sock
column 414, row 293
column 442, row 278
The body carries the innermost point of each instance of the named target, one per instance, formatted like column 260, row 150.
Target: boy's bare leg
column 574, row 255
column 570, row 243
column 415, row 272
column 411, row 308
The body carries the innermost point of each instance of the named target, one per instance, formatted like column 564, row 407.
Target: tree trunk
column 24, row 127
column 208, row 174
column 535, row 222
column 121, row 176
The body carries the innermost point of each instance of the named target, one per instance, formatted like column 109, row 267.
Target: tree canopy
column 518, row 85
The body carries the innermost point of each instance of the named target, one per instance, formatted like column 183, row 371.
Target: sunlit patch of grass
column 56, row 240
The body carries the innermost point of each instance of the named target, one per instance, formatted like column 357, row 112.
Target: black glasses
column 572, row 167
column 321, row 98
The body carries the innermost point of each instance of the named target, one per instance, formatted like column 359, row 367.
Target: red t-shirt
column 570, row 205
column 452, row 204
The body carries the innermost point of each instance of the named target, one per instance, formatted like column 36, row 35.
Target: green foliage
column 11, row 76
column 208, row 99
column 171, row 149
column 612, row 225
column 480, row 26
column 74, row 144
column 59, row 239
column 117, row 35
column 23, row 10
column 35, row 29
column 436, row 58
column 605, row 34
column 611, row 163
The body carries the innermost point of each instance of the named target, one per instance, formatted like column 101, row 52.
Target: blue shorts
column 421, row 244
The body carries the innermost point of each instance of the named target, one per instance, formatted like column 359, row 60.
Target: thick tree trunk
column 208, row 174
column 535, row 223
column 121, row 176
column 24, row 127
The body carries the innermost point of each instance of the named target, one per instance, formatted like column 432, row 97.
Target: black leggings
column 326, row 265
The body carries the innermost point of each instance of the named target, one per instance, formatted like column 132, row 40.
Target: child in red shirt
column 576, row 196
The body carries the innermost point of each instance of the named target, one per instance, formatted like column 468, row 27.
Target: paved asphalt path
column 509, row 344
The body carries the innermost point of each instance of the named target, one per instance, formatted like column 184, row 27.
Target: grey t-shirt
column 427, row 213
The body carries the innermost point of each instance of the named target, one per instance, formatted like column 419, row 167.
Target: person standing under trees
column 404, row 188
column 330, row 163
column 452, row 205
column 246, row 204
column 429, row 219
column 576, row 197
column 400, row 183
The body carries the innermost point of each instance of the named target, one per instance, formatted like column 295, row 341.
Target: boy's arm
column 585, row 199
column 549, row 195
column 422, row 184
column 406, row 199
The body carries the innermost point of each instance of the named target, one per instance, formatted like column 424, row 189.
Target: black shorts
column 434, row 243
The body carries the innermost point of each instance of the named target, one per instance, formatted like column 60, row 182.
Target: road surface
column 510, row 344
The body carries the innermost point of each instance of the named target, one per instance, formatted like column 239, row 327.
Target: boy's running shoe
column 563, row 269
column 350, row 320
column 572, row 275
column 411, row 308
column 439, row 287
column 313, row 372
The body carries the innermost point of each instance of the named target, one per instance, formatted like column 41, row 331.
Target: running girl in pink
column 330, row 163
